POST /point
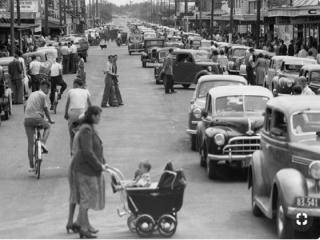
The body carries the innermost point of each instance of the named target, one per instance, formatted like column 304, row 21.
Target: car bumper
column 312, row 212
column 223, row 159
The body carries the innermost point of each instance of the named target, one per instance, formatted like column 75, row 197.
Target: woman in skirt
column 87, row 186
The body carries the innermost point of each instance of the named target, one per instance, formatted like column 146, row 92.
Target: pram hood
column 172, row 179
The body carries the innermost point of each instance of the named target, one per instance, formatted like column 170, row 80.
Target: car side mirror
column 277, row 132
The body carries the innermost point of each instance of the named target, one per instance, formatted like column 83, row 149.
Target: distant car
column 135, row 43
column 190, row 65
column 193, row 42
column 198, row 100
column 312, row 73
column 174, row 41
column 236, row 57
column 284, row 174
column 150, row 50
column 161, row 54
column 207, row 45
column 228, row 133
column 284, row 71
column 81, row 42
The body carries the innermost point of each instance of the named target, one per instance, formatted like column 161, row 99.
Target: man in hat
column 168, row 72
column 249, row 67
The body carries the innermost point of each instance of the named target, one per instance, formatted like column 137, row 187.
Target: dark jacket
column 88, row 159
column 15, row 70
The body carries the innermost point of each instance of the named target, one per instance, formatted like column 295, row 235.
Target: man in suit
column 15, row 70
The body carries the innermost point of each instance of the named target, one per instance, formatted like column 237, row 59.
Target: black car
column 150, row 50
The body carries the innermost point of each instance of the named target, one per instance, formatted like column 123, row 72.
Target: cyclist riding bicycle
column 35, row 110
column 56, row 80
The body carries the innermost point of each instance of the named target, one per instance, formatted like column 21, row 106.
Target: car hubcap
column 280, row 219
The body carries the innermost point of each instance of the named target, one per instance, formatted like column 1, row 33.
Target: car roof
column 240, row 46
column 192, row 51
column 294, row 60
column 220, row 77
column 240, row 90
column 291, row 104
column 311, row 67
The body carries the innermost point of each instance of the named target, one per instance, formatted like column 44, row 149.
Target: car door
column 279, row 156
column 183, row 68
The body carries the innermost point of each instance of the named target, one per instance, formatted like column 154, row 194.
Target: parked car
column 5, row 97
column 190, row 65
column 198, row 100
column 193, row 42
column 161, row 54
column 174, row 41
column 284, row 71
column 312, row 73
column 150, row 50
column 135, row 43
column 236, row 56
column 284, row 174
column 229, row 130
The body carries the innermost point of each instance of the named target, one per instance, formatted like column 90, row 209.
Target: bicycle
column 37, row 151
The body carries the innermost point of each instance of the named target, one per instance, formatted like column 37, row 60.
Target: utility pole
column 19, row 23
column 258, row 23
column 46, row 17
column 60, row 13
column 200, row 16
column 231, row 18
column 65, row 17
column 13, row 44
column 97, row 9
column 211, row 22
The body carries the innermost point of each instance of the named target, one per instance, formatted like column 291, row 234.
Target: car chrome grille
column 242, row 145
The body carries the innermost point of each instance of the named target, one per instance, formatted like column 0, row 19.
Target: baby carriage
column 154, row 208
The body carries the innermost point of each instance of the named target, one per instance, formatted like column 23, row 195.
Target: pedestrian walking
column 86, row 181
column 249, row 67
column 261, row 69
column 81, row 74
column 116, row 80
column 168, row 73
column 78, row 100
column 291, row 49
column 73, row 58
column 223, row 61
column 34, row 72
column 15, row 70
column 283, row 48
column 109, row 96
column 65, row 58
column 56, row 80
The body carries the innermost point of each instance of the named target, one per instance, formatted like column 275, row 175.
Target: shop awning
column 21, row 27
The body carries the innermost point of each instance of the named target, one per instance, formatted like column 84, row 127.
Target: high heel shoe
column 86, row 234
column 73, row 227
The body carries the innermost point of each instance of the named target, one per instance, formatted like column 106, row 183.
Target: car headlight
column 314, row 170
column 219, row 139
column 210, row 69
column 210, row 132
column 197, row 113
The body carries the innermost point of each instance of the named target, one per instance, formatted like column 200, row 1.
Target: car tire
column 211, row 169
column 186, row 86
column 144, row 64
column 283, row 223
column 130, row 53
column 193, row 141
column 254, row 207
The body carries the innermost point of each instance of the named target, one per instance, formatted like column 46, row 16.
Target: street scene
column 159, row 119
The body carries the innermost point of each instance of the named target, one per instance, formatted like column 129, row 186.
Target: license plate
column 307, row 202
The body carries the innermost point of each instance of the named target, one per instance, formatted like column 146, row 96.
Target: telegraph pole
column 231, row 17
column 65, row 17
column 19, row 23
column 211, row 22
column 60, row 13
column 13, row 44
column 46, row 17
column 258, row 23
column 200, row 16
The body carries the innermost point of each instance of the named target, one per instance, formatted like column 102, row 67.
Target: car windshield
column 306, row 122
column 206, row 86
column 201, row 56
column 135, row 39
column 292, row 68
column 240, row 104
column 315, row 77
column 239, row 52
column 153, row 43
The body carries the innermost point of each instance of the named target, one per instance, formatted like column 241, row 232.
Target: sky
column 123, row 2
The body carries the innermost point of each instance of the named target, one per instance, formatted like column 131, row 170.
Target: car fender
column 290, row 183
column 200, row 74
column 255, row 173
column 275, row 82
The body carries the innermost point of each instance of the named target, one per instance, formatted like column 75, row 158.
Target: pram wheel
column 131, row 222
column 167, row 225
column 145, row 225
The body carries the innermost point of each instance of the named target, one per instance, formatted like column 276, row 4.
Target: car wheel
column 144, row 64
column 193, row 142
column 255, row 209
column 283, row 224
column 186, row 86
column 130, row 53
column 211, row 169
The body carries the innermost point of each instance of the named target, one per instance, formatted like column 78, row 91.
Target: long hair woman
column 87, row 186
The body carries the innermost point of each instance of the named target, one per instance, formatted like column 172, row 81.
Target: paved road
column 151, row 125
